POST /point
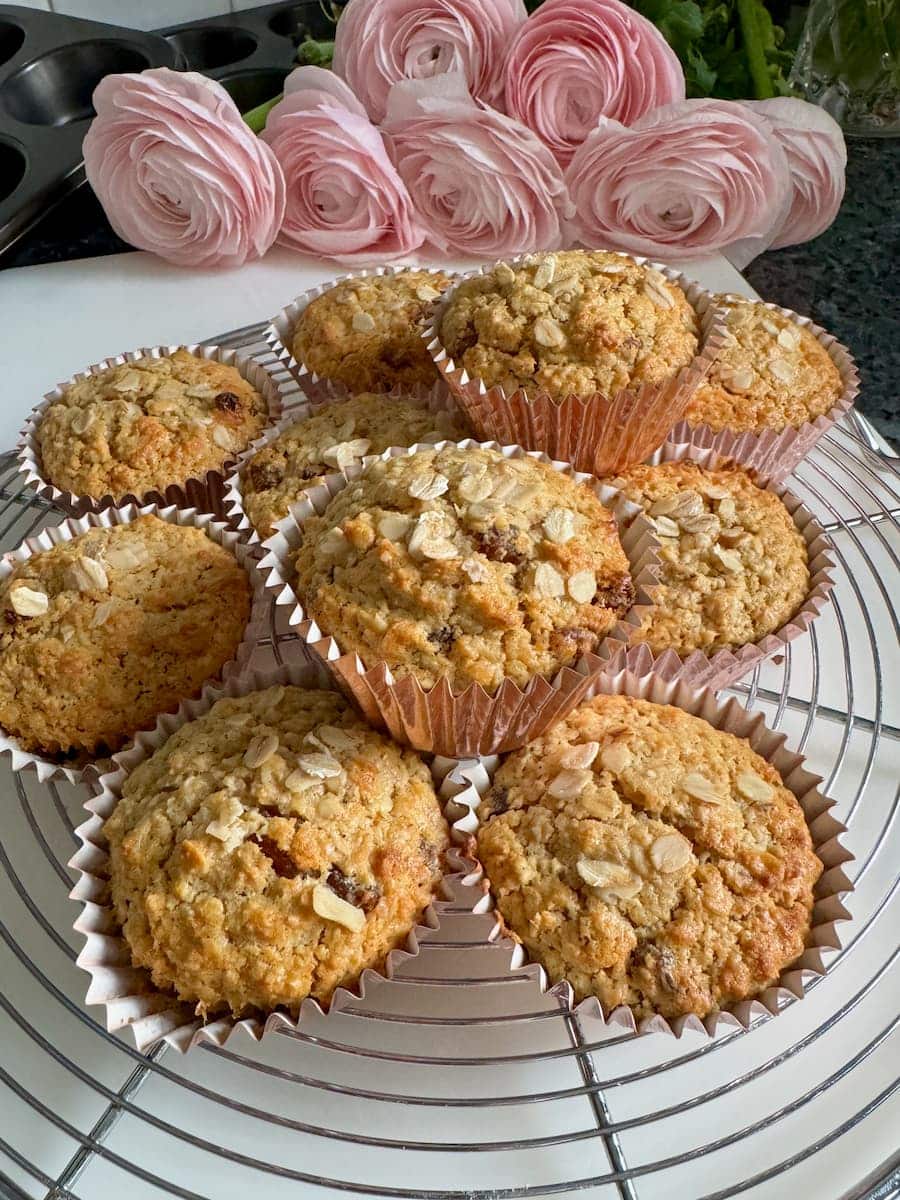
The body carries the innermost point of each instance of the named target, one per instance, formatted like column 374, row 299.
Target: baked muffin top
column 733, row 563
column 573, row 322
column 271, row 850
column 770, row 374
column 649, row 859
column 366, row 333
column 101, row 634
column 462, row 564
column 144, row 425
column 331, row 439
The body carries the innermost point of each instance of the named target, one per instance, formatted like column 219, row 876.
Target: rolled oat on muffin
column 330, row 439
column 649, row 859
column 147, row 424
column 733, row 564
column 271, row 850
column 365, row 332
column 462, row 564
column 575, row 322
column 100, row 634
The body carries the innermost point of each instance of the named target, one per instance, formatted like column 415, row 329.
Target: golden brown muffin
column 575, row 322
column 465, row 565
column 100, row 634
column 649, row 859
column 271, row 850
column 145, row 425
column 366, row 333
column 733, row 563
column 770, row 374
column 331, row 439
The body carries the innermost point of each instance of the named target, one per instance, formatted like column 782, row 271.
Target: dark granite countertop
column 846, row 280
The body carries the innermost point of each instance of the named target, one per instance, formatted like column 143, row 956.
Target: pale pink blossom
column 179, row 173
column 379, row 42
column 817, row 156
column 574, row 61
column 686, row 180
column 345, row 199
column 484, row 184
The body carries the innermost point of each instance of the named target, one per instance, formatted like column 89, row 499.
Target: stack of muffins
column 268, row 845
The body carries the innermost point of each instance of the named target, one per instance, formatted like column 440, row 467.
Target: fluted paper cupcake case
column 725, row 667
column 280, row 332
column 472, row 722
column 202, row 493
column 775, row 453
column 596, row 433
column 73, row 527
column 825, row 831
column 437, row 399
column 127, row 993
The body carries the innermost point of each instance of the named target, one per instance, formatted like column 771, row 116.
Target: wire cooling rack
column 459, row 1077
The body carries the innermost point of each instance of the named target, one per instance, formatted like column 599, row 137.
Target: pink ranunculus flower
column 345, row 199
column 686, row 180
column 179, row 173
column 574, row 61
column 484, row 184
column 380, row 42
column 817, row 155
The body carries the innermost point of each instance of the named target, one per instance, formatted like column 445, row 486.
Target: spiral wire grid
column 461, row 1077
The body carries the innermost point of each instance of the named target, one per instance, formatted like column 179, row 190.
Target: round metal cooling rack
column 460, row 1077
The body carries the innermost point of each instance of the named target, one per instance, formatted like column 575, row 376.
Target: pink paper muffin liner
column 280, row 332
column 597, row 433
column 436, row 399
column 725, row 667
column 472, row 722
column 127, row 993
column 203, row 494
column 633, row 679
column 775, row 453
column 48, row 768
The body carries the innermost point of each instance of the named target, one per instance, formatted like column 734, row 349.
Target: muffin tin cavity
column 250, row 88
column 206, row 47
column 56, row 89
column 12, row 36
column 12, row 168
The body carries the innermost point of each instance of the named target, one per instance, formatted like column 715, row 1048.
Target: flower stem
column 256, row 117
column 756, row 55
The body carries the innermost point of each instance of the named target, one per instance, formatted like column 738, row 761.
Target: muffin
column 100, row 634
column 365, row 332
column 576, row 322
column 771, row 373
column 144, row 425
column 271, row 850
column 463, row 565
column 331, row 439
column 733, row 565
column 649, row 859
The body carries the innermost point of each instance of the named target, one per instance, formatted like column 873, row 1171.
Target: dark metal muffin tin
column 50, row 65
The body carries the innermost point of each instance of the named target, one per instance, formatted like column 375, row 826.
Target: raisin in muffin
column 145, row 425
column 576, row 322
column 771, row 373
column 271, row 850
column 733, row 563
column 465, row 565
column 649, row 859
column 365, row 333
column 100, row 634
column 331, row 439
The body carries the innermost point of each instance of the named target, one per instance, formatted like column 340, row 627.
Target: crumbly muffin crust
column 366, row 333
column 574, row 322
column 649, row 859
column 331, row 439
column 770, row 374
column 100, row 634
column 145, row 425
column 462, row 564
column 733, row 563
column 271, row 850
